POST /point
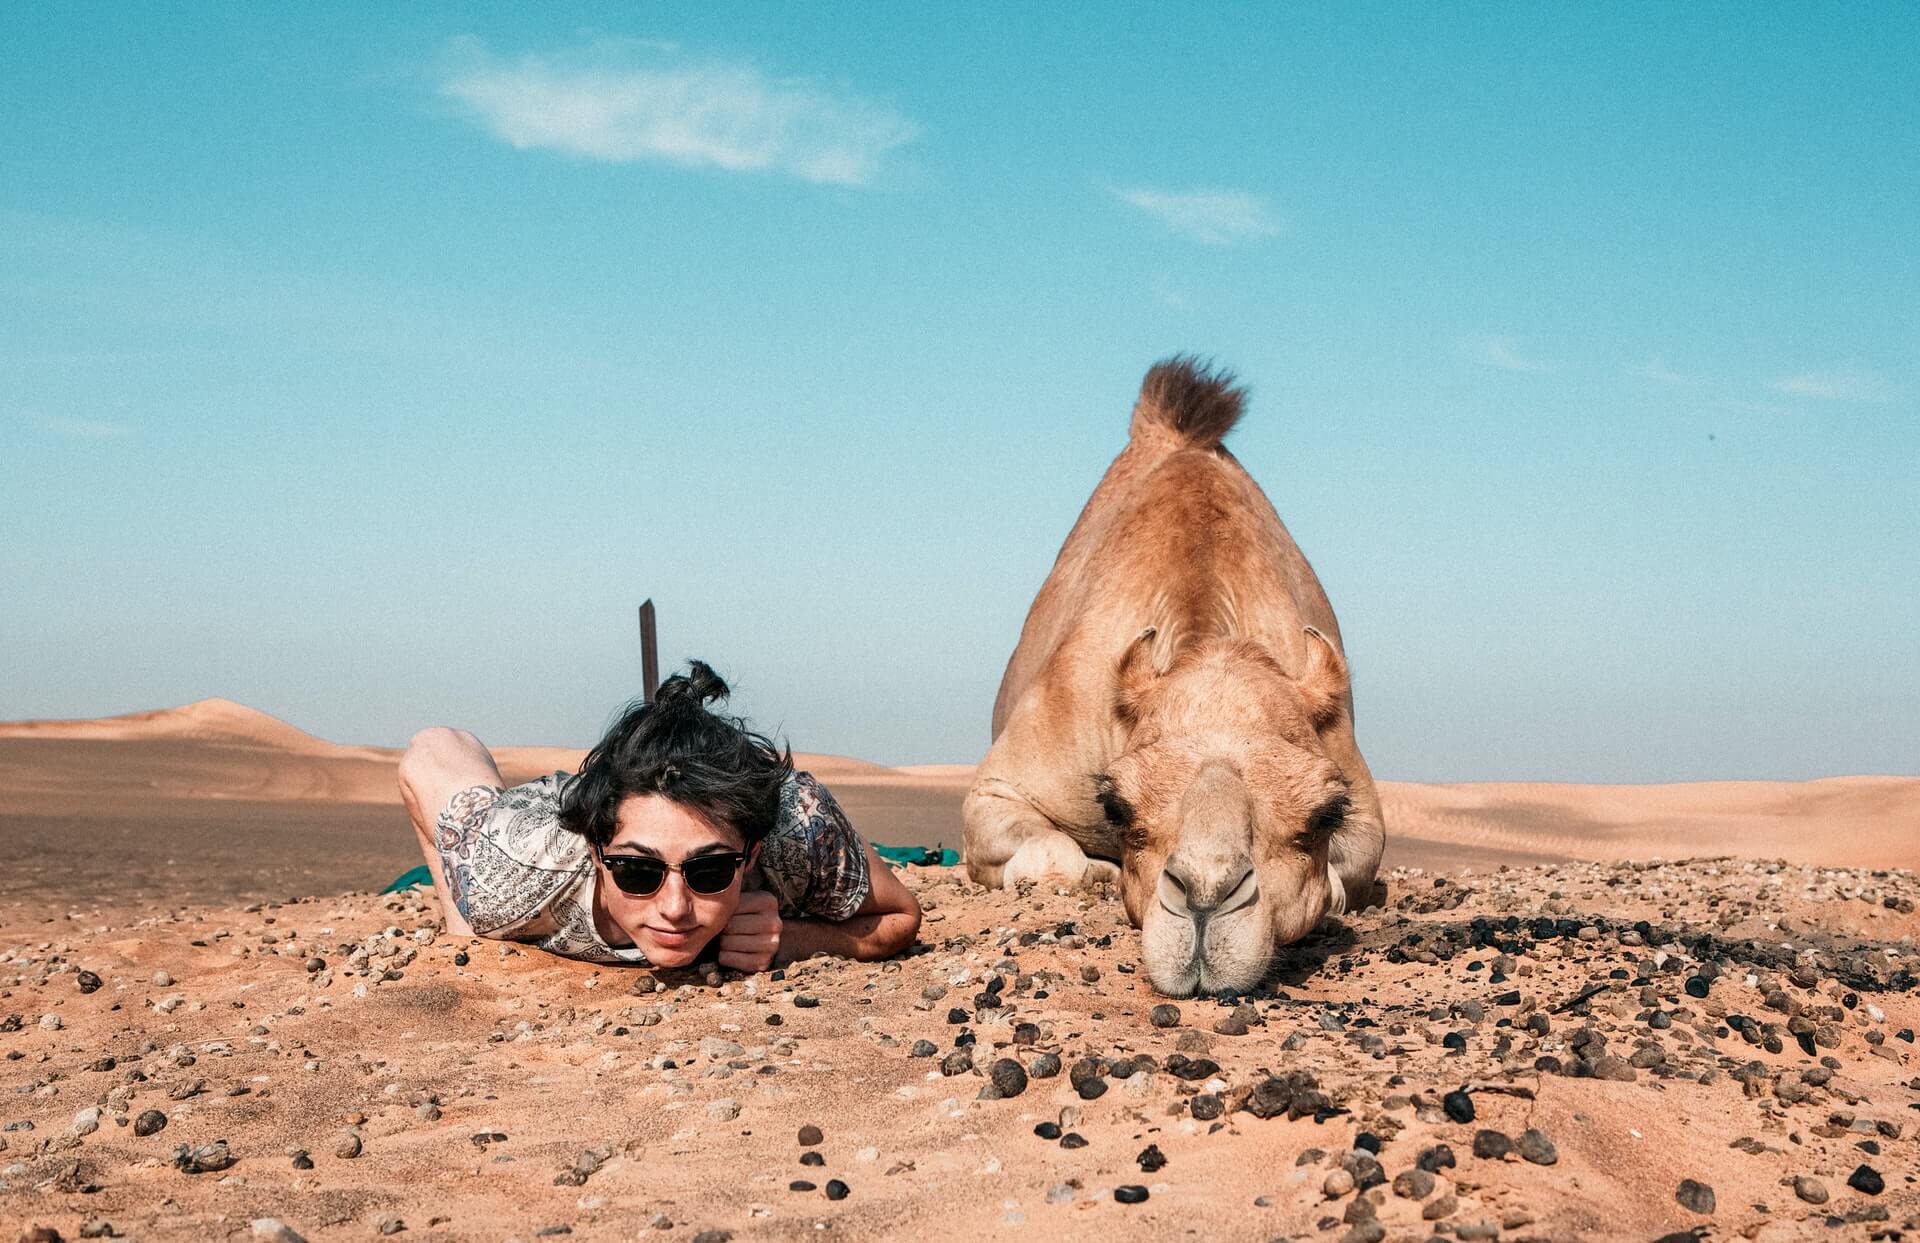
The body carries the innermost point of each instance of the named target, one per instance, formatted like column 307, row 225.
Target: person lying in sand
column 684, row 835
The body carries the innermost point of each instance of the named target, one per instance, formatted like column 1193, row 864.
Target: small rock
column 1130, row 1193
column 923, row 1048
column 1047, row 1130
column 96, row 1228
column 1437, row 1158
column 1537, row 1148
column 206, row 1159
column 88, row 982
column 1338, row 1183
column 162, row 980
column 1866, row 1180
column 837, row 1190
column 1414, row 1184
column 1151, row 1159
column 1165, row 1015
column 1459, row 1105
column 1695, row 1197
column 347, row 1145
column 273, row 1230
column 301, row 1161
column 151, row 1122
column 1810, row 1189
column 394, row 1225
column 806, row 1001
column 1008, row 1078
column 726, row 1109
column 86, row 1122
column 811, row 1136
column 1044, row 1066
column 1491, row 1145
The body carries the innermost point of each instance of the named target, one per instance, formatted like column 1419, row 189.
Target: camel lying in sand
column 1177, row 716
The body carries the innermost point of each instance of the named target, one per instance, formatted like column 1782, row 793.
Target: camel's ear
column 1134, row 676
column 1323, row 683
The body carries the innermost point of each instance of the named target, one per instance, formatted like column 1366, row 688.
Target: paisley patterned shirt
column 516, row 875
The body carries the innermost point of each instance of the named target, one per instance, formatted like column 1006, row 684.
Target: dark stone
column 1048, row 1130
column 301, row 1161
column 1491, row 1145
column 958, row 1062
column 811, row 1136
column 152, row 1122
column 1697, row 986
column 1151, row 1159
column 88, row 982
column 1205, row 1107
column 837, row 1190
column 923, row 1048
column 1367, row 1141
column 1008, row 1077
column 1130, row 1193
column 1045, row 1066
column 1091, row 1089
column 1414, row 1184
column 460, row 959
column 1192, row 1070
column 1437, row 1158
column 1165, row 1016
column 1073, row 1139
column 801, row 1184
column 1695, row 1197
column 812, row 1158
column 1459, row 1105
column 1866, row 1180
column 807, row 1001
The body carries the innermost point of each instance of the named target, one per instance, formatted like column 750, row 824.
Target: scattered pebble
column 1695, row 1197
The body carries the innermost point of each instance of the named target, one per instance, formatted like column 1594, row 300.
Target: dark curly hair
column 673, row 746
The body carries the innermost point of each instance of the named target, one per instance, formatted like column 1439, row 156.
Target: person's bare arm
column 880, row 927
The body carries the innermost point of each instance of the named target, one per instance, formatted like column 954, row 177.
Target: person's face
column 672, row 924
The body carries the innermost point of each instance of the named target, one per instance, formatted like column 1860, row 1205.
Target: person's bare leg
column 438, row 764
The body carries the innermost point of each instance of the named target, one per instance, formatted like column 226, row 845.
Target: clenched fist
column 752, row 937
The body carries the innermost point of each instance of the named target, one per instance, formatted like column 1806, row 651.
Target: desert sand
column 212, row 1029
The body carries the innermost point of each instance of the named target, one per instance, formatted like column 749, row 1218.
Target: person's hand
column 752, row 937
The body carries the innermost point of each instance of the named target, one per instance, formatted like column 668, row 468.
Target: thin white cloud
column 1655, row 369
column 1503, row 353
column 623, row 101
column 1838, row 384
column 1214, row 217
column 80, row 429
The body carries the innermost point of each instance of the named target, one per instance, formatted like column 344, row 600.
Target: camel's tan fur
column 1179, row 695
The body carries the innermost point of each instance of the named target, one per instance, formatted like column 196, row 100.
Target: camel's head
column 1227, row 802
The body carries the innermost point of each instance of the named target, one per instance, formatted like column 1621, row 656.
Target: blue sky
column 369, row 364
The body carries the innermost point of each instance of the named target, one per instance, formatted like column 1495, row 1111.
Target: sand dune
column 216, row 800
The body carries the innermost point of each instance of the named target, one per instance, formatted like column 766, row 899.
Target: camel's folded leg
column 1007, row 841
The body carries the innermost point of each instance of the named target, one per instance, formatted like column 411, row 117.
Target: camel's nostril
column 1186, row 890
column 1172, row 892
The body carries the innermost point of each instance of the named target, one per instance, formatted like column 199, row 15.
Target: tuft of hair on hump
column 1190, row 397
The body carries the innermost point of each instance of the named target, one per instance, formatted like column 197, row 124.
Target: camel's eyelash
column 1329, row 819
column 1118, row 810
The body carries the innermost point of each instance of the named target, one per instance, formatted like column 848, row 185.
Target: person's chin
column 666, row 949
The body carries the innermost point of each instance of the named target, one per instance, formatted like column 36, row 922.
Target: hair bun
column 699, row 686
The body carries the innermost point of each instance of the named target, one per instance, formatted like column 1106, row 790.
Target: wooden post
column 649, row 653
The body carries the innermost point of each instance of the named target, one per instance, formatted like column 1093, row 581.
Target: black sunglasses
column 642, row 875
